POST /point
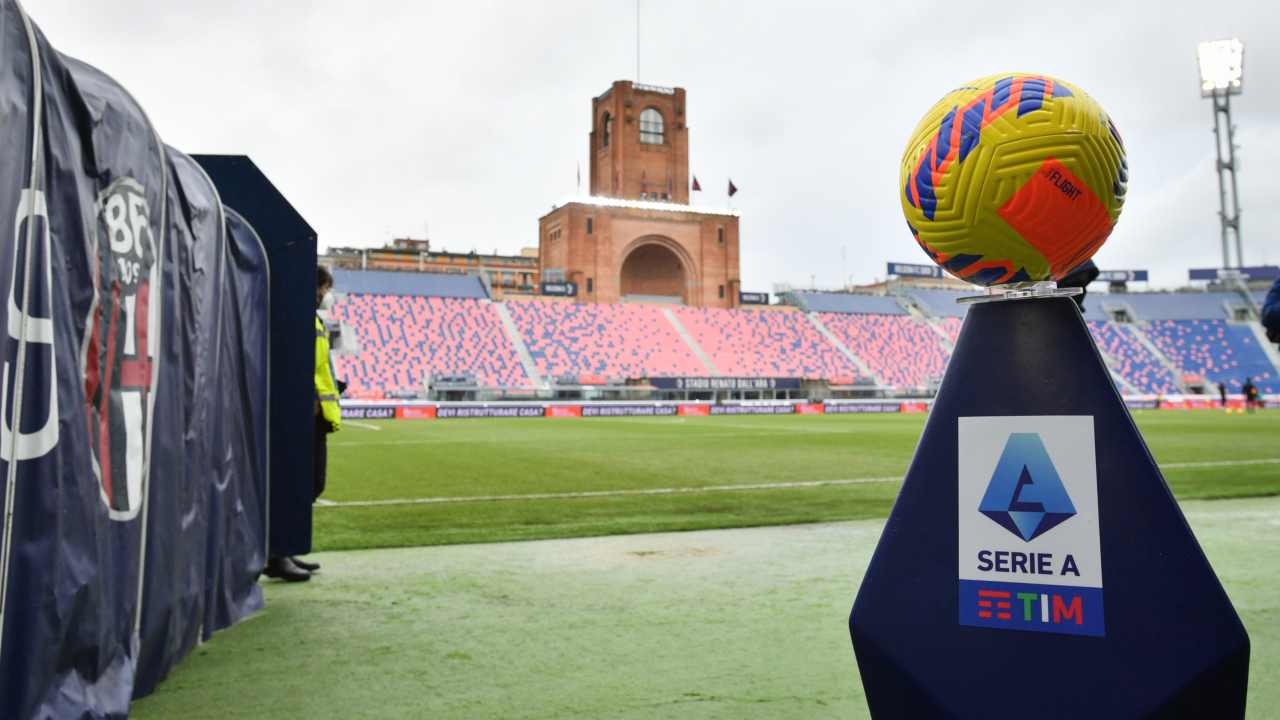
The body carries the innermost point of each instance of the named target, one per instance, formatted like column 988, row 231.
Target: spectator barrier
column 419, row 410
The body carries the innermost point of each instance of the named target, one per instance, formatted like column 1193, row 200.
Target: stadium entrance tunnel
column 654, row 270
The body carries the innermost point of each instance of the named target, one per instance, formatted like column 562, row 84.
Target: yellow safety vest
column 326, row 389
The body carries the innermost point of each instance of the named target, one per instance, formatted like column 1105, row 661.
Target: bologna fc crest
column 119, row 345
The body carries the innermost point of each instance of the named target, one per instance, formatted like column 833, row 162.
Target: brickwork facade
column 639, row 144
column 636, row 237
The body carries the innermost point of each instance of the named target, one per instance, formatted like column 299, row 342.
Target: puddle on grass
column 674, row 553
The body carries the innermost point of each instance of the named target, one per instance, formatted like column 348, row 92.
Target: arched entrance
column 653, row 271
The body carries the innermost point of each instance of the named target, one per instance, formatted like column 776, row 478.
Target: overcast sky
column 468, row 120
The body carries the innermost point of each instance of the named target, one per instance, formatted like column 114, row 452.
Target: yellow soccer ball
column 1013, row 178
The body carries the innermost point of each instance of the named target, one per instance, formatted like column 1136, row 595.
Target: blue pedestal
column 1035, row 563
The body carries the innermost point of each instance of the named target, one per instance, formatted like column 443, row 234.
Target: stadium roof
column 391, row 282
column 848, row 303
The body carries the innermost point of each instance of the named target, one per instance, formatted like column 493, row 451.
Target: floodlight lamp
column 1221, row 67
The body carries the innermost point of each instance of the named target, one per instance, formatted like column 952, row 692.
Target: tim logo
column 1025, row 495
column 1054, row 611
column 119, row 346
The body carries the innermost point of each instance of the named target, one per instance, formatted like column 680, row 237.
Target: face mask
column 326, row 301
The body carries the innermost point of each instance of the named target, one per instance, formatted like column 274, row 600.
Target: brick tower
column 635, row 238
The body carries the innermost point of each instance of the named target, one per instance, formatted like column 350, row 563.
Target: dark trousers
column 320, row 453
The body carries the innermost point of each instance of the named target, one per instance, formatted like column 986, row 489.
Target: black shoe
column 308, row 566
column 284, row 569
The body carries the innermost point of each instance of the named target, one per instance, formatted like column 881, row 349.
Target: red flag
column 732, row 188
column 696, row 186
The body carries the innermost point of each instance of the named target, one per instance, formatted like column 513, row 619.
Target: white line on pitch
column 1219, row 463
column 366, row 426
column 612, row 493
column 708, row 488
column 744, row 431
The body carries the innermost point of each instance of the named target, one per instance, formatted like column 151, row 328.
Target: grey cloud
column 379, row 117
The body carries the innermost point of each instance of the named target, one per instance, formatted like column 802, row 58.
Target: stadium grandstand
column 631, row 293
column 409, row 334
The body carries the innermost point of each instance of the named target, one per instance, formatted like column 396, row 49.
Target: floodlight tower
column 1221, row 76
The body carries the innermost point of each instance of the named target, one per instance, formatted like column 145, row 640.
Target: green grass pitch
column 735, row 623
column 463, row 481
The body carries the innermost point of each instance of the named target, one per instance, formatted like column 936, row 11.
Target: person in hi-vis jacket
column 328, row 419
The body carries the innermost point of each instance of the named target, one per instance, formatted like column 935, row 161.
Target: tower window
column 651, row 129
column 721, row 292
column 591, row 287
column 720, row 235
column 606, row 123
column 590, row 225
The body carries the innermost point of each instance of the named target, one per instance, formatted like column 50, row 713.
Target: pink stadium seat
column 608, row 341
column 1220, row 351
column 764, row 343
column 902, row 351
column 1132, row 360
column 404, row 340
column 951, row 326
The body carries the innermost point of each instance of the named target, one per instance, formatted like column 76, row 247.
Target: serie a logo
column 1038, row 581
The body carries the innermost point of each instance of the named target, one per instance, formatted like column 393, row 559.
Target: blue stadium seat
column 604, row 341
column 765, row 343
column 1133, row 361
column 406, row 339
column 902, row 351
column 1219, row 351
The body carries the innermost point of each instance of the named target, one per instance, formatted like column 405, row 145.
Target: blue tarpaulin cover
column 134, row 351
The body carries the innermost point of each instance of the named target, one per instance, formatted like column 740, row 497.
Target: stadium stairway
column 1217, row 350
column 402, row 340
column 688, row 340
column 844, row 349
column 1135, row 363
column 1141, row 336
column 517, row 342
column 1268, row 348
column 937, row 324
column 764, row 343
column 599, row 342
column 901, row 350
column 391, row 342
column 1113, row 366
